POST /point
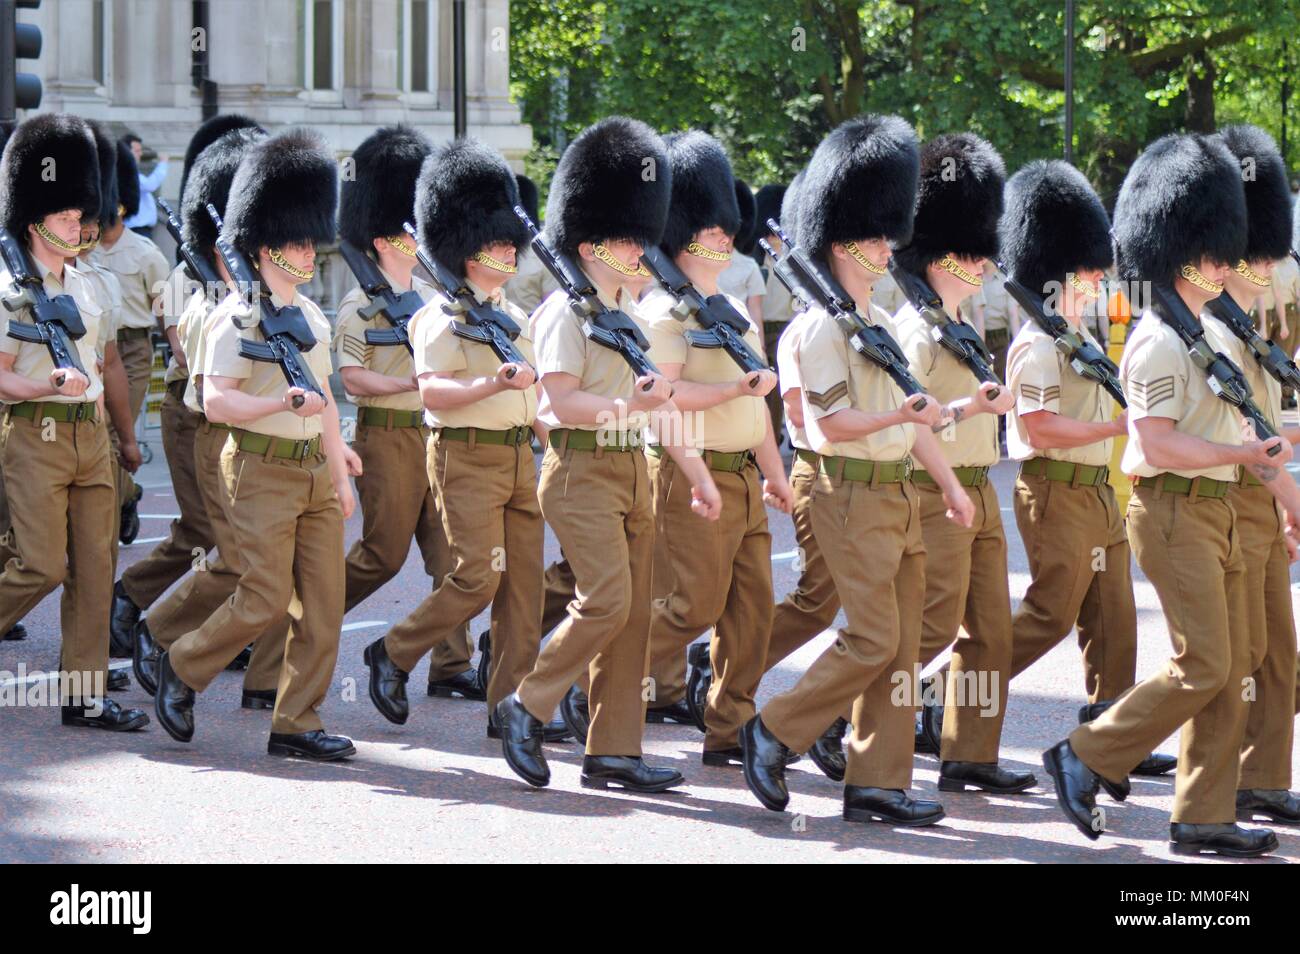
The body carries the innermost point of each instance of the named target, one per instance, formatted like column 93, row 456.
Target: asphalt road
column 437, row 789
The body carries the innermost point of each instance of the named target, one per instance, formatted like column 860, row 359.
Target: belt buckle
column 907, row 470
column 304, row 450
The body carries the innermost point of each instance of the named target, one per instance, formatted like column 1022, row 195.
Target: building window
column 97, row 41
column 420, row 46
column 322, row 42
column 415, row 55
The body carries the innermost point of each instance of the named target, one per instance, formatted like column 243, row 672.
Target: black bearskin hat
column 285, row 191
column 210, row 178
column 1268, row 194
column 380, row 197
column 208, row 133
column 50, row 164
column 704, row 192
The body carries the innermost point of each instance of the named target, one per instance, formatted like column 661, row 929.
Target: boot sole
column 657, row 718
column 254, row 703
column 1254, row 814
column 589, row 781
column 288, row 751
column 81, row 722
column 1181, row 849
column 1053, row 768
column 442, row 692
column 836, row 775
column 718, row 760
column 867, row 815
column 957, row 785
column 375, row 697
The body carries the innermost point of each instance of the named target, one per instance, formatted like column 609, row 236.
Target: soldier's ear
column 585, row 253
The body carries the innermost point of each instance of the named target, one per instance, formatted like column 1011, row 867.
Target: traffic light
column 18, row 41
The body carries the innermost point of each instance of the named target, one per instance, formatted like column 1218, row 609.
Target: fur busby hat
column 380, row 197
column 285, row 191
column 767, row 205
column 613, row 182
column 106, row 149
column 1268, row 194
column 208, row 133
column 465, row 200
column 128, row 180
column 1181, row 201
column 745, row 235
column 861, row 183
column 788, row 218
column 704, row 192
column 1053, row 224
column 528, row 196
column 210, row 178
column 50, row 164
column 958, row 202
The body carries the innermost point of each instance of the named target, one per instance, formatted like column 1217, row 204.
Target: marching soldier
column 855, row 201
column 189, row 535
column 213, row 583
column 958, row 205
column 742, row 278
column 778, row 308
column 54, row 445
column 396, row 500
column 718, row 576
column 1180, row 222
column 1265, row 783
column 1055, row 240
column 284, row 468
column 141, row 271
column 609, row 199
column 532, row 282
column 480, row 460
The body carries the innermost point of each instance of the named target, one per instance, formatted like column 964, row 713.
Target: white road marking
column 159, row 516
column 140, row 540
column 47, row 676
column 364, row 624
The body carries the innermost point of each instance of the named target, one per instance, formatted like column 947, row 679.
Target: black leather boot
column 698, row 681
column 387, row 683
column 888, row 805
column 1154, row 764
column 17, row 633
column 984, row 776
column 315, row 746
column 576, row 715
column 1076, row 788
column 121, row 623
column 257, row 699
column 483, row 673
column 174, row 702
column 677, row 712
column 129, row 528
column 764, row 758
column 827, row 752
column 464, row 684
column 1229, row 840
column 521, row 741
column 1278, row 805
column 103, row 715
column 144, row 657
column 627, row 771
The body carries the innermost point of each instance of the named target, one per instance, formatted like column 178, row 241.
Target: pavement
column 437, row 789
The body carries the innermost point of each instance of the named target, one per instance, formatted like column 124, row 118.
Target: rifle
column 1270, row 357
column 195, row 263
column 285, row 329
column 56, row 322
column 484, row 322
column 955, row 336
column 1085, row 358
column 873, row 342
column 396, row 309
column 781, row 269
column 608, row 327
column 1224, row 378
column 723, row 326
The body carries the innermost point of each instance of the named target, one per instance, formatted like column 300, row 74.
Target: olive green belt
column 64, row 413
column 279, row 447
column 567, row 438
column 1192, row 487
column 722, row 461
column 1248, row 479
column 866, row 471
column 129, row 333
column 389, row 418
column 510, row 437
column 966, row 476
column 807, row 456
column 1076, row 475
column 214, row 426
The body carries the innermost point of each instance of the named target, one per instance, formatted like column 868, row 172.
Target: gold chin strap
column 278, row 259
column 605, row 255
column 87, row 246
column 399, row 242
column 483, row 258
column 1193, row 275
column 1255, row 278
column 642, row 271
column 54, row 240
column 699, row 251
column 857, row 256
column 952, row 268
column 1082, row 287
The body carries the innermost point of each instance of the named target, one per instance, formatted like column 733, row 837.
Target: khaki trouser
column 288, row 525
column 190, row 535
column 7, row 550
column 487, row 495
column 213, row 581
column 136, row 352
column 1270, row 720
column 967, row 590
column 396, row 505
column 599, row 505
column 813, row 604
column 871, row 538
column 1190, row 551
column 60, row 495
column 1080, row 568
column 720, row 575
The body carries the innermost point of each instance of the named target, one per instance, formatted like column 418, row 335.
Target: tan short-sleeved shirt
column 1265, row 389
column 742, row 279
column 176, row 295
column 972, row 442
column 778, row 305
column 32, row 361
column 108, row 295
column 264, row 378
column 886, row 294
column 530, row 285
column 1042, row 380
column 1285, row 284
column 439, row 351
column 788, row 375
column 835, row 377
column 736, row 424
column 562, row 347
column 142, row 269
column 191, row 329
column 1161, row 381
column 351, row 350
